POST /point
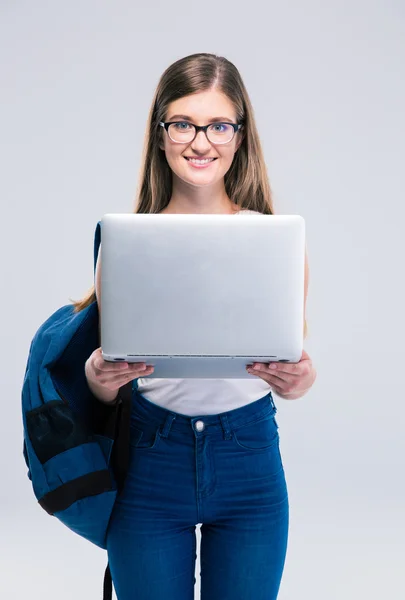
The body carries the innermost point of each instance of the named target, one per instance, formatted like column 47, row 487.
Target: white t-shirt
column 203, row 396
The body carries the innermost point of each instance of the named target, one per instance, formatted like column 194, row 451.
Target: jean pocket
column 257, row 435
column 143, row 437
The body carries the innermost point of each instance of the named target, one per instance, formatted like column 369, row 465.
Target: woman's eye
column 179, row 125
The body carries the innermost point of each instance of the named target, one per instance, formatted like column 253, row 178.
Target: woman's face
column 200, row 109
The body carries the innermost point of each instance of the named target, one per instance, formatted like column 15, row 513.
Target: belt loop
column 166, row 427
column 225, row 426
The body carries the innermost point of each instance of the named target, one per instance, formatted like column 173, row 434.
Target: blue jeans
column 222, row 471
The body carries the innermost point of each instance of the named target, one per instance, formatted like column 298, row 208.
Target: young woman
column 202, row 450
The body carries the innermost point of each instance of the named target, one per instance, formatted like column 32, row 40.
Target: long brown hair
column 246, row 182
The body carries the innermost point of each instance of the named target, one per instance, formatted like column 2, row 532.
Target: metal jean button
column 199, row 425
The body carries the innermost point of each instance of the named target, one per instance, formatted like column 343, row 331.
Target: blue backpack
column 76, row 447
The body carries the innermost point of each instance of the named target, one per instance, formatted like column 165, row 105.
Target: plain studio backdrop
column 327, row 82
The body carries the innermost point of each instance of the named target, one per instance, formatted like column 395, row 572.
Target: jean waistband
column 151, row 413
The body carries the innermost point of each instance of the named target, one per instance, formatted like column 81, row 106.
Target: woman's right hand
column 106, row 377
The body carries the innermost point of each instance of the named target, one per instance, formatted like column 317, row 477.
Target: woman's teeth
column 200, row 162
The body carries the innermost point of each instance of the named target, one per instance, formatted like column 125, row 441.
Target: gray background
column 327, row 84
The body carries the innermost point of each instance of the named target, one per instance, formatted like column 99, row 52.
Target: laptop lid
column 184, row 287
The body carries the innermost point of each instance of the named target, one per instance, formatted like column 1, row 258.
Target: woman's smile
column 198, row 163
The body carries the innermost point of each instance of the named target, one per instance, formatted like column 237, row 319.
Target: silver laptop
column 202, row 295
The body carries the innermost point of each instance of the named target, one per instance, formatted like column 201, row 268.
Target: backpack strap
column 97, row 240
column 120, row 460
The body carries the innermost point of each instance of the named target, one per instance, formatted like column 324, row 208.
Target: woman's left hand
column 289, row 380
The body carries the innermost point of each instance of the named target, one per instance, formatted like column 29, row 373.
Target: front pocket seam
column 156, row 440
column 262, row 418
column 276, row 437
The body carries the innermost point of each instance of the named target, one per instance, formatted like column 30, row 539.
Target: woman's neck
column 188, row 199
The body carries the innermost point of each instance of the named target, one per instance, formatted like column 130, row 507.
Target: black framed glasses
column 183, row 132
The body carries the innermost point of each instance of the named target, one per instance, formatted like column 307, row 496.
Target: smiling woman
column 202, row 450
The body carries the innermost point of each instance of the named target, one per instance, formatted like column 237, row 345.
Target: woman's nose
column 200, row 141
